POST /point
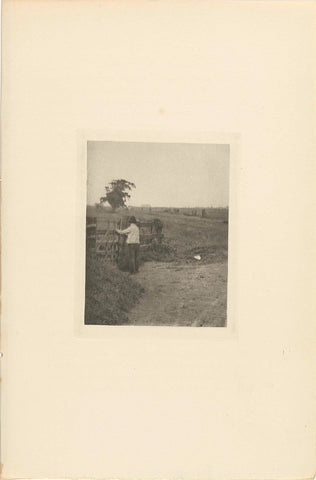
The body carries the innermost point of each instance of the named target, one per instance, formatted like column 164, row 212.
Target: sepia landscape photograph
column 157, row 223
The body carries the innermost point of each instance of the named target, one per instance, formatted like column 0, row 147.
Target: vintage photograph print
column 157, row 234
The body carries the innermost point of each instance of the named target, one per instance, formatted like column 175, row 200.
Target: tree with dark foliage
column 117, row 192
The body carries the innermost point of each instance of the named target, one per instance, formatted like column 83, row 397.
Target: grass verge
column 109, row 293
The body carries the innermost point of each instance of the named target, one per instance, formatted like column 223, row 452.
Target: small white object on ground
column 197, row 257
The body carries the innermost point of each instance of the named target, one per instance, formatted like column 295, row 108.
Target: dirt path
column 182, row 295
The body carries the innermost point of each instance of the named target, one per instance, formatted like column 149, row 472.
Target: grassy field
column 111, row 294
column 185, row 235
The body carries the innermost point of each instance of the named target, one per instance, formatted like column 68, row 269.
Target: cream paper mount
column 124, row 402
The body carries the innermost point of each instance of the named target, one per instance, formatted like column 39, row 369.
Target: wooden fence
column 101, row 236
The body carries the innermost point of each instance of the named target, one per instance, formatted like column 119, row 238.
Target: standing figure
column 132, row 241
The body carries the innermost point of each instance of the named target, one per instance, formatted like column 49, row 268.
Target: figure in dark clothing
column 132, row 241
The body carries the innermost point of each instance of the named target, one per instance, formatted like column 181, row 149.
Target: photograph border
column 117, row 332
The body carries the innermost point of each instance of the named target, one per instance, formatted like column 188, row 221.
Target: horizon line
column 159, row 206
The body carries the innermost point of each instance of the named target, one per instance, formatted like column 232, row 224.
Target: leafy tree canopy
column 117, row 192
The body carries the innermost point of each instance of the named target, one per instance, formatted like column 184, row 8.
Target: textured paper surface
column 157, row 403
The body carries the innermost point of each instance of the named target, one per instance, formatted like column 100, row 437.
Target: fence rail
column 102, row 238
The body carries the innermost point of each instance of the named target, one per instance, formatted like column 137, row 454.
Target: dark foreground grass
column 110, row 294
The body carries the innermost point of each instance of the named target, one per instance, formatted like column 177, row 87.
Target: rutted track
column 181, row 295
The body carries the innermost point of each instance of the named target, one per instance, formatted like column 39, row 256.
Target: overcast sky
column 165, row 174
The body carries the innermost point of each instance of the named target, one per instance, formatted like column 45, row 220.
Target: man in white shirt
column 132, row 241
